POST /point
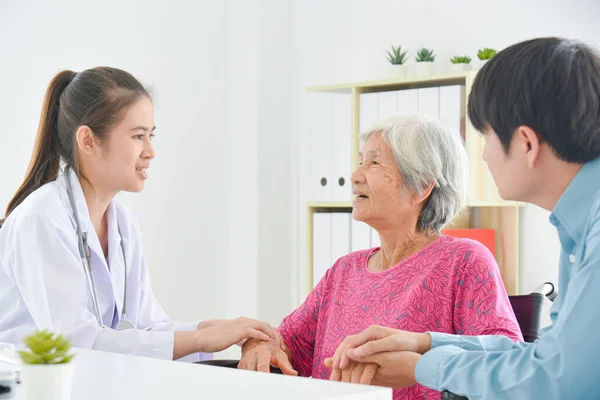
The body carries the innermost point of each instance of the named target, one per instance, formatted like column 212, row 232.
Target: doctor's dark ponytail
column 97, row 98
column 44, row 164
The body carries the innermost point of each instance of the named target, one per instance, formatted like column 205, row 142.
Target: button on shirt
column 565, row 362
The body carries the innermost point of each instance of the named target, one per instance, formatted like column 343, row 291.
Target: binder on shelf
column 369, row 113
column 340, row 235
column 452, row 107
column 342, row 147
column 321, row 246
column 321, row 139
column 361, row 235
column 388, row 104
column 483, row 236
column 429, row 101
column 408, row 101
column 375, row 241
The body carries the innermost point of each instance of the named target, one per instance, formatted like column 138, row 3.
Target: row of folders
column 336, row 235
column 331, row 133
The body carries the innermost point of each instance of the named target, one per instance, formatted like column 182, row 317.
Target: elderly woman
column 411, row 181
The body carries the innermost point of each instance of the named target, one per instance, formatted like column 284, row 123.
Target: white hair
column 427, row 150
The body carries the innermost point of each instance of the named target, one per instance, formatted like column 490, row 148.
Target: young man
column 537, row 104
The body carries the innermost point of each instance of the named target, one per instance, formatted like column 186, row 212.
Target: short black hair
column 551, row 85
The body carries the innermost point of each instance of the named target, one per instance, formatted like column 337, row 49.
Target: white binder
column 375, row 241
column 321, row 138
column 388, row 104
column 340, row 235
column 408, row 101
column 429, row 101
column 451, row 106
column 321, row 245
column 368, row 110
column 342, row 147
column 361, row 235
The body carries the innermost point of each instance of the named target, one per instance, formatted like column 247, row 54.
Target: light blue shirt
column 565, row 362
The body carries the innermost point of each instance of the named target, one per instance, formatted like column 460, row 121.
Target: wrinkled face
column 378, row 186
column 128, row 151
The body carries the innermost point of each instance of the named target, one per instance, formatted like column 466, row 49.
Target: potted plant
column 425, row 58
column 397, row 58
column 461, row 63
column 485, row 54
column 47, row 369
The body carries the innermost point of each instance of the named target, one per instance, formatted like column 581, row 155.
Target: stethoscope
column 84, row 252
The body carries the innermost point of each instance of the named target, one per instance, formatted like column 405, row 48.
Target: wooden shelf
column 499, row 203
column 454, row 78
column 503, row 218
column 333, row 205
column 487, row 210
column 330, row 204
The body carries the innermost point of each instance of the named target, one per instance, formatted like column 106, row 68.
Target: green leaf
column 30, row 358
column 425, row 55
column 486, row 53
column 460, row 60
column 46, row 347
column 396, row 56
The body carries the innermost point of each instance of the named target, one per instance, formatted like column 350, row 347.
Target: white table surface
column 102, row 376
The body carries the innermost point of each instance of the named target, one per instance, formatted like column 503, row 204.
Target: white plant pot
column 398, row 71
column 424, row 68
column 482, row 63
column 461, row 67
column 47, row 382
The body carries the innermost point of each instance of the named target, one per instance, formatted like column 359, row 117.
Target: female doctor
column 71, row 258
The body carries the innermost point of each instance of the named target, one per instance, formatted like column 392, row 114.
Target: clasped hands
column 379, row 356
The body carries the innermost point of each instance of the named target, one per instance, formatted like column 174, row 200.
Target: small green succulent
column 485, row 53
column 425, row 55
column 397, row 56
column 45, row 347
column 460, row 60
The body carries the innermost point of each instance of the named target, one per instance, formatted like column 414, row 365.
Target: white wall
column 223, row 211
column 345, row 40
column 217, row 69
column 276, row 125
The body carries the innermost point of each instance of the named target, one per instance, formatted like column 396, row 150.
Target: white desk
column 104, row 376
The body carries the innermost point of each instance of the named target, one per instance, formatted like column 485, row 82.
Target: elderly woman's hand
column 355, row 372
column 395, row 369
column 258, row 355
column 376, row 339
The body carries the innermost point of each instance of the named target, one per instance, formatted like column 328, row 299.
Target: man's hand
column 376, row 339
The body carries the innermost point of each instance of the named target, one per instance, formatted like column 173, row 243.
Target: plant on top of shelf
column 425, row 66
column 461, row 63
column 460, row 60
column 486, row 53
column 425, row 55
column 397, row 56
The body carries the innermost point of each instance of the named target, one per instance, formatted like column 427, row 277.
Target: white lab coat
column 42, row 280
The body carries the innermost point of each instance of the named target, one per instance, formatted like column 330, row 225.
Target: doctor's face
column 128, row 151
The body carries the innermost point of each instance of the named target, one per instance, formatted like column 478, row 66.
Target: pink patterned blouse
column 452, row 286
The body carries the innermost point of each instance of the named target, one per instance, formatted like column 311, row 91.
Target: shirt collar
column 572, row 209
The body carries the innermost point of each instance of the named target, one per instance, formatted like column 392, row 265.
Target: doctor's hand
column 260, row 356
column 217, row 335
column 394, row 369
column 376, row 339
